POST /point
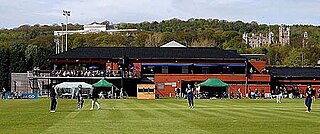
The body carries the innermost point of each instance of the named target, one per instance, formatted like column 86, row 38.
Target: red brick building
column 295, row 78
column 167, row 68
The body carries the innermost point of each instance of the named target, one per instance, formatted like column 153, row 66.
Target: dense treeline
column 26, row 47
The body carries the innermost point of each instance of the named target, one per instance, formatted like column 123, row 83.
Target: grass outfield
column 160, row 116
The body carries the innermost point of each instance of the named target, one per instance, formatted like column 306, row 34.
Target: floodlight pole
column 57, row 41
column 61, row 38
column 67, row 14
column 247, row 75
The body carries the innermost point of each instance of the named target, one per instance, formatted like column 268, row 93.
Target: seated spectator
column 252, row 95
column 256, row 94
column 262, row 93
column 231, row 95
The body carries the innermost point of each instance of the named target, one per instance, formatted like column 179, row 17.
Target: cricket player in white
column 279, row 94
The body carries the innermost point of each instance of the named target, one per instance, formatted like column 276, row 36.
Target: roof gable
column 173, row 44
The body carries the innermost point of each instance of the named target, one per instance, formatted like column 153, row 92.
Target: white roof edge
column 173, row 44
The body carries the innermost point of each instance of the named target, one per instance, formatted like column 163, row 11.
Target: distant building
column 90, row 28
column 94, row 28
column 284, row 35
column 258, row 40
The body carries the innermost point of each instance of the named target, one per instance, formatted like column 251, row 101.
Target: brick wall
column 166, row 79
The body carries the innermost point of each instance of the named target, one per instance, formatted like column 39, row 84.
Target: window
column 165, row 69
column 151, row 90
column 160, row 86
column 205, row 70
column 185, row 69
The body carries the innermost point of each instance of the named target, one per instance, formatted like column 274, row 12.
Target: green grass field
column 160, row 116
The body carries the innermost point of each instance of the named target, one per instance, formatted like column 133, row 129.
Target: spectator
column 319, row 93
column 231, row 95
column 262, row 93
column 101, row 96
column 239, row 95
column 3, row 93
column 177, row 92
column 197, row 88
column 313, row 94
column 252, row 94
column 256, row 94
column 285, row 92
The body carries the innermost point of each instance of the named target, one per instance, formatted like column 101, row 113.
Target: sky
column 14, row 13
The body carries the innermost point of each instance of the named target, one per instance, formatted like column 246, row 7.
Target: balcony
column 91, row 74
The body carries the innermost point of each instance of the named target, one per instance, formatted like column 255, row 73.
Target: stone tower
column 270, row 38
column 305, row 39
column 284, row 35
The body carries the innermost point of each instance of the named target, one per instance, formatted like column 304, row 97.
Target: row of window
column 193, row 70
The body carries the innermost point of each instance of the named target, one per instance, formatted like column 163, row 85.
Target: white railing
column 83, row 73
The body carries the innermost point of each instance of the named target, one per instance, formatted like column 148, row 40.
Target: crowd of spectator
column 11, row 95
column 93, row 73
column 82, row 73
column 256, row 94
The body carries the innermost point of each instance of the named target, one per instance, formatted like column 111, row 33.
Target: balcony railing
column 84, row 73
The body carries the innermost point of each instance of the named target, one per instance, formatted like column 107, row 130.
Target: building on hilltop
column 258, row 40
column 94, row 28
column 284, row 35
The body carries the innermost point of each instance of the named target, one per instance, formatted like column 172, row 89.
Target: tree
column 4, row 67
column 235, row 43
column 294, row 58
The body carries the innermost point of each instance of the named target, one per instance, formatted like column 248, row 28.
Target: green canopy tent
column 214, row 82
column 103, row 84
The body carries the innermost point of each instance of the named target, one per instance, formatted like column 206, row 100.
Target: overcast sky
column 14, row 13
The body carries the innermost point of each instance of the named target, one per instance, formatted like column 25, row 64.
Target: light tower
column 57, row 41
column 67, row 14
column 62, row 43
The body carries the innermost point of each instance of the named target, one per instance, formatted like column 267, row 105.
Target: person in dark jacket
column 3, row 93
column 53, row 95
column 189, row 91
column 80, row 97
column 308, row 100
column 94, row 97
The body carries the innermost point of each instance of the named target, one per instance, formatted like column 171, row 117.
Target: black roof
column 294, row 71
column 147, row 53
